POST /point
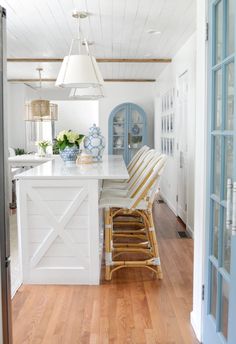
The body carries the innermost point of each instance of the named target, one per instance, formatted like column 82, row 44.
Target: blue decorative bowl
column 69, row 154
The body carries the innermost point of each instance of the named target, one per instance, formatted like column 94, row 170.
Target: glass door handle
column 229, row 204
column 181, row 159
column 234, row 210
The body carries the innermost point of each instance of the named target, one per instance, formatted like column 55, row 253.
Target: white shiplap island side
column 60, row 225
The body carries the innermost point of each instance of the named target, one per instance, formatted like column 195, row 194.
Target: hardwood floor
column 133, row 308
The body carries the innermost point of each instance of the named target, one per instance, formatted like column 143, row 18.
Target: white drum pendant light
column 79, row 70
column 88, row 93
column 40, row 109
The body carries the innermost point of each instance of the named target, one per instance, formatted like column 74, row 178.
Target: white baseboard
column 170, row 205
column 15, row 288
column 190, row 231
column 174, row 209
column 196, row 328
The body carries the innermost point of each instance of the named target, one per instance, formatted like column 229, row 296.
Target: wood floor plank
column 133, row 308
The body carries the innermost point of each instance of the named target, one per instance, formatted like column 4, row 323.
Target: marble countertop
column 112, row 167
column 29, row 158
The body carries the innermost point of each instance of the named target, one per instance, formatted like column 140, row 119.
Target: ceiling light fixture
column 88, row 93
column 153, row 32
column 40, row 110
column 79, row 70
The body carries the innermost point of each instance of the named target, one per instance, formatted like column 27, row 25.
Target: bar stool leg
column 108, row 244
column 154, row 244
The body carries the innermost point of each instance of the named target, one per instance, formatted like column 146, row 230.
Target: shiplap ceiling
column 44, row 29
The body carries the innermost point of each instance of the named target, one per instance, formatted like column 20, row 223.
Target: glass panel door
column 220, row 307
column 127, row 130
column 136, row 129
column 118, row 131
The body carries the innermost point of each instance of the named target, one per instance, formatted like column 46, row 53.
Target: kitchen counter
column 28, row 160
column 60, row 224
column 112, row 167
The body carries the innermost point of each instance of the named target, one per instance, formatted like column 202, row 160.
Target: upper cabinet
column 127, row 130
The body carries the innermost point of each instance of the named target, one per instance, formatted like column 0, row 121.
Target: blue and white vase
column 94, row 143
column 69, row 154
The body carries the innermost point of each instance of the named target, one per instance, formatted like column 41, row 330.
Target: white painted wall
column 15, row 111
column 141, row 93
column 76, row 115
column 80, row 114
column 184, row 60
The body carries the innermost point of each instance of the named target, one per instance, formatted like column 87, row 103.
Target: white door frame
column 182, row 156
column 200, row 168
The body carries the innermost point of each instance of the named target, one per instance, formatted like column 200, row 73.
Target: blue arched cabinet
column 127, row 130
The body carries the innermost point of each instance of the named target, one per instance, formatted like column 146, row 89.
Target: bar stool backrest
column 148, row 186
column 136, row 157
column 151, row 195
column 144, row 173
column 138, row 167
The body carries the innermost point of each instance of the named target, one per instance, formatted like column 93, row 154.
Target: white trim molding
column 200, row 170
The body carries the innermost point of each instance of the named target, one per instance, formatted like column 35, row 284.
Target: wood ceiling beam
column 100, row 60
column 53, row 80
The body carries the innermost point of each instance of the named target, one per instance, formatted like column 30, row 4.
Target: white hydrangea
column 60, row 136
column 72, row 136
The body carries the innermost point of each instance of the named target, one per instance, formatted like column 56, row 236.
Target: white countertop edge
column 19, row 177
column 114, row 168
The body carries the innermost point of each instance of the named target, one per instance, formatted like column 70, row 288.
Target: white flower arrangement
column 43, row 144
column 68, row 138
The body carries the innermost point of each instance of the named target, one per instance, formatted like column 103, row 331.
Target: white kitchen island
column 60, row 225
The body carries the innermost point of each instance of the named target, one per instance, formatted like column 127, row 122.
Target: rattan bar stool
column 138, row 206
column 130, row 188
column 141, row 164
column 132, row 167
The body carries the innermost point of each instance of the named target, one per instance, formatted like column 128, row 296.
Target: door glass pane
column 215, row 225
column 119, row 132
column 228, row 162
column 120, row 116
column 213, row 291
column 135, row 131
column 136, row 117
column 226, row 245
column 230, row 27
column 217, row 165
column 230, row 96
column 218, row 99
column 224, row 308
column 219, row 31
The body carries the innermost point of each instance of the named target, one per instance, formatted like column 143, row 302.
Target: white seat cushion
column 120, row 202
column 116, row 184
column 107, row 193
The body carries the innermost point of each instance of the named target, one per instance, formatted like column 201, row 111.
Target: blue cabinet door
column 127, row 130
column 220, row 301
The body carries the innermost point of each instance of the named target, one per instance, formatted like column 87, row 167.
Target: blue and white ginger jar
column 94, row 143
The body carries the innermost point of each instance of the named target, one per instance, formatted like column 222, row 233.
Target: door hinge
column 177, row 198
column 207, row 32
column 203, row 292
column 186, row 207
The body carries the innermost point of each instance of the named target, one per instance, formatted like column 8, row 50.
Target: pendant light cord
column 40, row 83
